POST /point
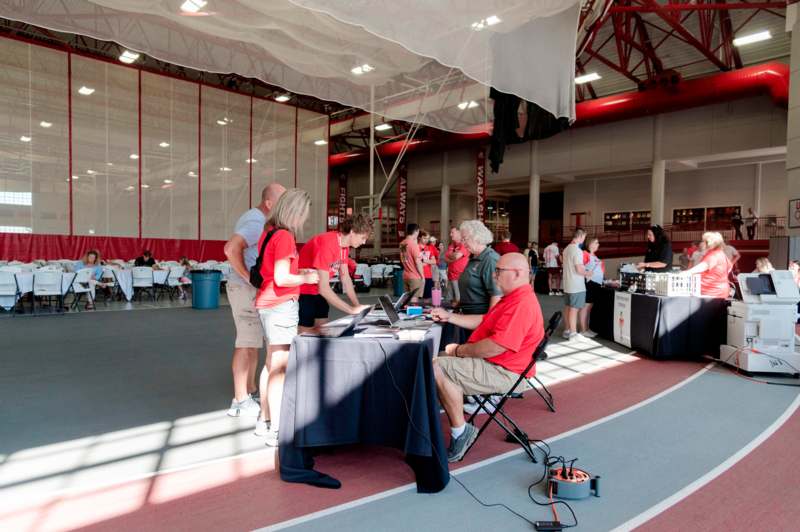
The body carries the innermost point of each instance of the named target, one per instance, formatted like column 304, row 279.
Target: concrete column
column 534, row 188
column 658, row 177
column 444, row 217
column 793, row 130
column 756, row 191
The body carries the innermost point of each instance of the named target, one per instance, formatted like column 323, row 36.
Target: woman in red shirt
column 277, row 300
column 713, row 268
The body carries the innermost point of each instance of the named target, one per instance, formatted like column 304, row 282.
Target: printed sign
column 402, row 197
column 480, row 182
column 342, row 199
column 794, row 213
column 622, row 318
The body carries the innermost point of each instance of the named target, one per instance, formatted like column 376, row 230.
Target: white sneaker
column 567, row 334
column 588, row 333
column 574, row 336
column 262, row 428
column 471, row 408
column 247, row 408
column 272, row 438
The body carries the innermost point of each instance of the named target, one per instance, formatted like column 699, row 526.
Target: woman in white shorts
column 277, row 301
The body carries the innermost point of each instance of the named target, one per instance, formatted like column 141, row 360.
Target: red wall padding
column 28, row 247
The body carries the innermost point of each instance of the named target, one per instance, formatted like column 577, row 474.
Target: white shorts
column 280, row 322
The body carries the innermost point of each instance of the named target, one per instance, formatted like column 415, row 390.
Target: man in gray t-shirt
column 242, row 252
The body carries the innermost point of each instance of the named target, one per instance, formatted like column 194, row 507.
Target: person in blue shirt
column 91, row 260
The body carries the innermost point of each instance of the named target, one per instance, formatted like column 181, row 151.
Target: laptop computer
column 401, row 302
column 395, row 320
column 336, row 331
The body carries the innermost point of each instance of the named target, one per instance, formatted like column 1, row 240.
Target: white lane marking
column 711, row 475
column 461, row 470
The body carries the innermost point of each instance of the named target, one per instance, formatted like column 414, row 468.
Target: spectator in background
column 658, row 257
column 91, row 260
column 477, row 285
column 242, row 251
column 763, row 265
column 505, row 245
column 411, row 259
column 532, row 254
column 714, row 268
column 431, row 252
column 698, row 254
column 574, row 283
column 456, row 257
column 794, row 267
column 441, row 265
column 552, row 256
column 737, row 222
column 733, row 257
column 684, row 258
column 751, row 222
column 145, row 260
column 596, row 273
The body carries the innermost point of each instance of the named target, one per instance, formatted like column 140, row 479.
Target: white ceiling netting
column 432, row 61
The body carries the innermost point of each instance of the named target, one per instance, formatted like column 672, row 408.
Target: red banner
column 402, row 198
column 480, row 182
column 342, row 197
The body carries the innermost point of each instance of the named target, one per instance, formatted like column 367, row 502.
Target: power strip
column 572, row 483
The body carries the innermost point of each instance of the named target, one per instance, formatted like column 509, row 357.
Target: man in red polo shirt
column 497, row 352
column 328, row 254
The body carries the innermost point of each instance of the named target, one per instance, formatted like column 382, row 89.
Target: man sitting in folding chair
column 497, row 352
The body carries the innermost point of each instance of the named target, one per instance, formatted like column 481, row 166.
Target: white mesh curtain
column 428, row 60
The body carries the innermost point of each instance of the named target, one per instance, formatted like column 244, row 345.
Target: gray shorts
column 280, row 322
column 576, row 300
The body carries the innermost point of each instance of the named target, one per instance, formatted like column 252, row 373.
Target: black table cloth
column 666, row 327
column 345, row 390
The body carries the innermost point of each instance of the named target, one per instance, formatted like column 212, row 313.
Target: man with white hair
column 242, row 252
column 497, row 352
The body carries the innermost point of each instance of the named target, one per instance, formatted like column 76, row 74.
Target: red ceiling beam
column 719, row 6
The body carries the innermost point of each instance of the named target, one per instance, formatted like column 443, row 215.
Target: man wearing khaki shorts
column 497, row 352
column 411, row 259
column 242, row 252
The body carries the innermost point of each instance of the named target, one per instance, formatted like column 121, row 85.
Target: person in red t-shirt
column 328, row 254
column 411, row 259
column 457, row 257
column 277, row 300
column 496, row 354
column 505, row 245
column 713, row 268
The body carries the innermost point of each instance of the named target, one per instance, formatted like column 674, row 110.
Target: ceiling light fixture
column 383, row 127
column 74, row 178
column 283, row 98
column 86, row 91
column 468, row 105
column 193, row 6
column 90, row 172
column 130, row 187
column 251, row 161
column 164, row 144
column 128, row 57
column 45, row 124
column 491, row 20
column 752, row 38
column 134, row 156
column 225, row 168
column 145, row 186
column 223, row 121
column 320, row 142
column 363, row 69
column 168, row 181
column 587, row 78
column 25, row 138
column 192, row 174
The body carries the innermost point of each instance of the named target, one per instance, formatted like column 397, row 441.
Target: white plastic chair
column 143, row 280
column 47, row 284
column 82, row 285
column 378, row 271
column 9, row 288
column 174, row 279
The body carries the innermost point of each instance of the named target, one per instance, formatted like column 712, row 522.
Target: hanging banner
column 342, row 197
column 480, row 182
column 622, row 318
column 402, row 199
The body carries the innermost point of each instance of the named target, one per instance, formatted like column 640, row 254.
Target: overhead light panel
column 193, row 6
column 145, row 186
column 45, row 124
column 225, row 169
column 320, row 142
column 168, row 181
column 90, row 172
column 282, row 98
column 134, row 156
column 75, row 178
column 164, row 144
column 130, row 187
column 86, row 91
column 192, row 174
column 251, row 161
column 363, row 69
column 223, row 121
column 472, row 104
column 491, row 20
column 383, row 127
column 128, row 57
column 25, row 138
column 752, row 38
column 587, row 78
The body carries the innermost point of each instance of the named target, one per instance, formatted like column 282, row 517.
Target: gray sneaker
column 247, row 408
column 459, row 446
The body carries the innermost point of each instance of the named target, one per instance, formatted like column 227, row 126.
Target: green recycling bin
column 398, row 282
column 205, row 288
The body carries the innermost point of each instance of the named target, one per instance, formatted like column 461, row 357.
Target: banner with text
column 402, row 200
column 622, row 318
column 342, row 197
column 480, row 182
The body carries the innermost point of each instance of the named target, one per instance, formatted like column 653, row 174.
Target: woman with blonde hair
column 713, row 268
column 763, row 265
column 277, row 300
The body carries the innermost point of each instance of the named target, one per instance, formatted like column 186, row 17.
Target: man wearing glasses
column 497, row 352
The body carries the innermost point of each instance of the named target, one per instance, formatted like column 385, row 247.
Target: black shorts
column 591, row 291
column 312, row 307
column 428, row 292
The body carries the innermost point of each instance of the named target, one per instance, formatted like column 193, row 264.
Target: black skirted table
column 664, row 327
column 374, row 391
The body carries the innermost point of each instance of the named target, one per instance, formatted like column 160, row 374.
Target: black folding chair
column 516, row 434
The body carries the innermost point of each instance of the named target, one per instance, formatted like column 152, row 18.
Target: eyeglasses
column 497, row 270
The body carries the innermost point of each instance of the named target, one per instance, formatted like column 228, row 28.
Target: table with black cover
column 666, row 327
column 341, row 391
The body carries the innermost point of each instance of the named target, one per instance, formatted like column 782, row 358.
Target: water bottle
column 436, row 294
